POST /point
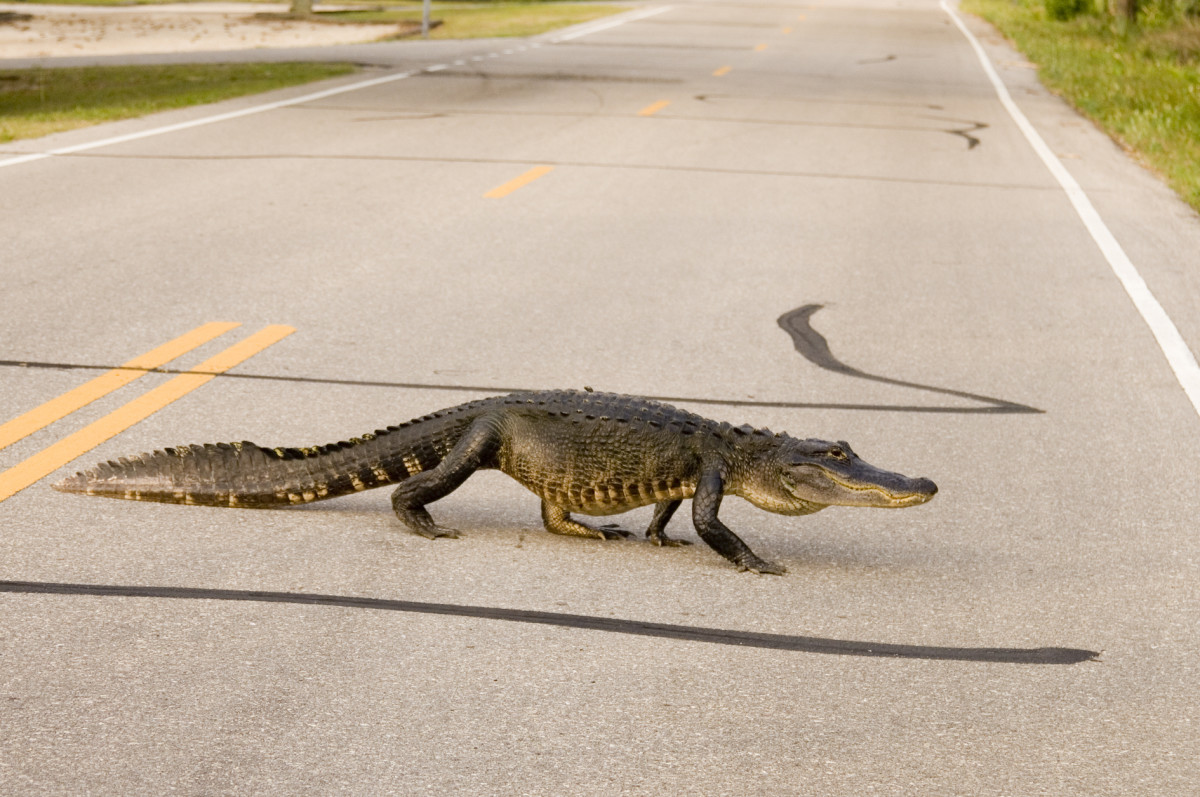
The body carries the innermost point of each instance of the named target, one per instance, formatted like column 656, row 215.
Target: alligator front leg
column 705, row 503
column 663, row 511
column 558, row 520
column 477, row 446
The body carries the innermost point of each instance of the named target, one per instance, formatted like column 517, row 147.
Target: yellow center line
column 57, row 408
column 760, row 48
column 654, row 108
column 50, row 459
column 525, row 179
column 722, row 71
column 800, row 18
column 787, row 30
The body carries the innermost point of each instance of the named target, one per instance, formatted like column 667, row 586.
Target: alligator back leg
column 558, row 520
column 476, row 449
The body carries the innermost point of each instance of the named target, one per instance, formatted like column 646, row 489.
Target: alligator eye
column 837, row 453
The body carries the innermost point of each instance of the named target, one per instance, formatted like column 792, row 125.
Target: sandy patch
column 49, row 31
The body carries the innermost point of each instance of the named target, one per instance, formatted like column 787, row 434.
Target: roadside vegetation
column 36, row 102
column 1135, row 71
column 456, row 19
column 477, row 20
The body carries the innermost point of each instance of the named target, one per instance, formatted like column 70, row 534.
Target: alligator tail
column 248, row 475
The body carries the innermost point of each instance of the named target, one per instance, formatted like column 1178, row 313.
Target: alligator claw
column 433, row 532
column 663, row 541
column 760, row 566
column 613, row 534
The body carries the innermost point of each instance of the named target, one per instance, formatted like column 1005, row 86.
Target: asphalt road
column 706, row 171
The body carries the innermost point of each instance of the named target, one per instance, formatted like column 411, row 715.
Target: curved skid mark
column 965, row 132
column 719, row 636
column 814, row 348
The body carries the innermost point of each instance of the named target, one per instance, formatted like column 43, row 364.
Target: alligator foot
column 433, row 532
column 558, row 520
column 662, row 516
column 663, row 541
column 418, row 521
column 611, row 532
column 760, row 566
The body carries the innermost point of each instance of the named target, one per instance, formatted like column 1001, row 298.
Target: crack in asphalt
column 551, row 162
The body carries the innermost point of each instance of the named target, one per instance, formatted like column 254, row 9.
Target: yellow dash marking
column 800, row 18
column 722, row 71
column 760, row 48
column 48, row 460
column 57, row 408
column 787, row 30
column 654, row 108
column 524, row 180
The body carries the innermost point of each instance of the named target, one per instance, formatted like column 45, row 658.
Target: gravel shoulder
column 49, row 31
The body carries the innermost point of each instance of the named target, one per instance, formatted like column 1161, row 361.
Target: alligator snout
column 922, row 490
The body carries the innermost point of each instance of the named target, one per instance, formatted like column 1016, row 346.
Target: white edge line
column 207, row 120
column 318, row 95
column 612, row 22
column 621, row 19
column 1178, row 355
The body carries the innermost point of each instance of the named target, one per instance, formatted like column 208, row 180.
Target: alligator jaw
column 868, row 494
column 923, row 491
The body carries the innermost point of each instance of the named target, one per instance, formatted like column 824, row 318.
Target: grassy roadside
column 36, row 102
column 470, row 20
column 1141, row 85
column 39, row 102
column 460, row 19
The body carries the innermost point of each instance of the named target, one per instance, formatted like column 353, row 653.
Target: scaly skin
column 592, row 453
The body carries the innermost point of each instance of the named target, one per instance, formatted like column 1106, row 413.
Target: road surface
column 816, row 217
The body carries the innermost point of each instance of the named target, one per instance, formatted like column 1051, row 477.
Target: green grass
column 1141, row 85
column 483, row 20
column 42, row 101
column 459, row 19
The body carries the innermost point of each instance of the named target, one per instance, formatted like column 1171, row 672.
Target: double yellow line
column 50, row 459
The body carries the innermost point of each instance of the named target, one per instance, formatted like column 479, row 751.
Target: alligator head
column 809, row 475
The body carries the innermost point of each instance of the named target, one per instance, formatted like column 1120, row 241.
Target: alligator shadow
column 717, row 636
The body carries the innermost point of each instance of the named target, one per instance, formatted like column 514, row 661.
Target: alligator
column 579, row 451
